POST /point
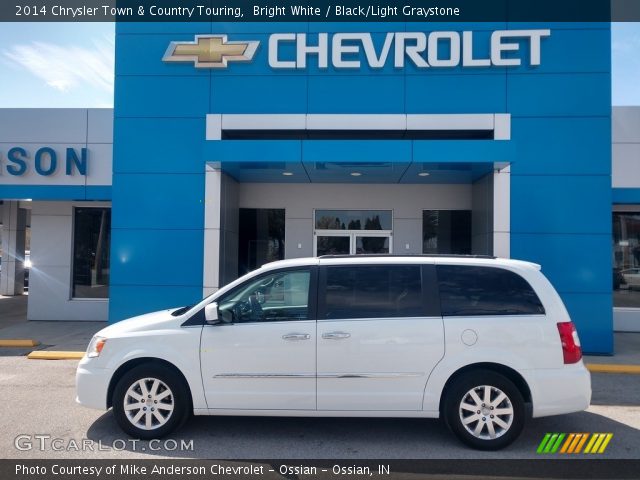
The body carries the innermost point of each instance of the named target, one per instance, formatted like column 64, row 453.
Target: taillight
column 571, row 350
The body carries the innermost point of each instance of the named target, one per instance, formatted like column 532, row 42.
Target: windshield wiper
column 181, row 310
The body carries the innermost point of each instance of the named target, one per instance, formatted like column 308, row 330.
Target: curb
column 19, row 343
column 54, row 355
column 613, row 368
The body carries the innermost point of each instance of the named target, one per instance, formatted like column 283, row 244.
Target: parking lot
column 40, row 419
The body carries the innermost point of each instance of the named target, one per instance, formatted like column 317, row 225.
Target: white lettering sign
column 417, row 48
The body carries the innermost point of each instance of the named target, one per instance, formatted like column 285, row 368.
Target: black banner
column 319, row 10
column 317, row 469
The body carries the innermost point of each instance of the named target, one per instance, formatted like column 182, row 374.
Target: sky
column 45, row 65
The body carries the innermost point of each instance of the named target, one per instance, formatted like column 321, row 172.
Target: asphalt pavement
column 39, row 400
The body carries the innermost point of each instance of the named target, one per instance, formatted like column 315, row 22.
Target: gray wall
column 50, row 274
column 626, row 147
column 59, row 128
column 406, row 201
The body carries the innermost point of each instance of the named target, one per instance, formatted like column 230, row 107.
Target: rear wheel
column 484, row 409
column 150, row 401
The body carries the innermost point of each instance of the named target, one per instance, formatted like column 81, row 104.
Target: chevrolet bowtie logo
column 210, row 51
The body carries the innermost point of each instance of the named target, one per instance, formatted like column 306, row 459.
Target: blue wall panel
column 571, row 146
column 157, row 257
column 356, row 151
column 626, row 195
column 561, row 204
column 162, row 96
column 255, row 94
column 158, row 145
column 55, row 192
column 559, row 94
column 151, row 193
column 456, row 93
column 333, row 94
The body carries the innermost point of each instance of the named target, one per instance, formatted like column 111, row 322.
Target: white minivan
column 481, row 342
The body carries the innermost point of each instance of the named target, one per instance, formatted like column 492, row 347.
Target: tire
column 139, row 387
column 475, row 429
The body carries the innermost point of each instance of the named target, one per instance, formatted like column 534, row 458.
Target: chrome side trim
column 371, row 375
column 265, row 375
column 321, row 375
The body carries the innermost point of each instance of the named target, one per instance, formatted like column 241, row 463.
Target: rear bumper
column 562, row 390
column 92, row 385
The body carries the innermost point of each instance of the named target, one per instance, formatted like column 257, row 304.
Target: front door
column 379, row 336
column 263, row 355
column 352, row 232
column 352, row 243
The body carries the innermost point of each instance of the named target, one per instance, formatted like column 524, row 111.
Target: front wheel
column 150, row 401
column 485, row 410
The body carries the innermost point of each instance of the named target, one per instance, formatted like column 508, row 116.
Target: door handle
column 296, row 336
column 335, row 335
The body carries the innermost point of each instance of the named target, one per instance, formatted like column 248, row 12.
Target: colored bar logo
column 574, row 443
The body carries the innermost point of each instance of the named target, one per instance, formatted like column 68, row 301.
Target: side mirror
column 211, row 313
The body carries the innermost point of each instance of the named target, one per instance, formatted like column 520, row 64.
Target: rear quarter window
column 475, row 291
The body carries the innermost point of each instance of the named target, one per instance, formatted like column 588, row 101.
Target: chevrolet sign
column 343, row 50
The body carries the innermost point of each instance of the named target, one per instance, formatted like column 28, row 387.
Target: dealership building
column 234, row 144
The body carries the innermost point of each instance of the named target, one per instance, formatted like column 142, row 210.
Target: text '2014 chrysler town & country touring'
column 481, row 342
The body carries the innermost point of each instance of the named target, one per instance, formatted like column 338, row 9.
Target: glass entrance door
column 352, row 232
column 351, row 243
column 333, row 245
column 372, row 243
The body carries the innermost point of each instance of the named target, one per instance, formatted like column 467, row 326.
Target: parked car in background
column 480, row 342
column 631, row 277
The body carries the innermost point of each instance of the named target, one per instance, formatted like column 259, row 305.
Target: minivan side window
column 470, row 291
column 274, row 297
column 376, row 291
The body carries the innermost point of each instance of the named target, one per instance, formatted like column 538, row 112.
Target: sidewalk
column 52, row 335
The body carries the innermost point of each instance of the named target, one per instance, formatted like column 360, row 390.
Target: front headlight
column 95, row 346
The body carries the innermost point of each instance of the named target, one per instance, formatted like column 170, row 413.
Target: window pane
column 626, row 260
column 91, row 243
column 373, row 292
column 332, row 245
column 485, row 291
column 353, row 219
column 261, row 238
column 446, row 232
column 372, row 245
column 276, row 297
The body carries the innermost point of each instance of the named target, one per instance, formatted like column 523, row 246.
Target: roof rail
column 418, row 255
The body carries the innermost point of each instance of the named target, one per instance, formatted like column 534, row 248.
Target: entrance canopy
column 358, row 161
column 344, row 148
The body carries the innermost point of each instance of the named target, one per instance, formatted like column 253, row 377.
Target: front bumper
column 560, row 390
column 92, row 385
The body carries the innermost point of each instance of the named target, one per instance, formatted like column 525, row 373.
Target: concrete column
column 220, row 230
column 502, row 213
column 212, row 233
column 13, row 243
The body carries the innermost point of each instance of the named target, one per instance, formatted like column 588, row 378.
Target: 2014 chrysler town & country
column 478, row 341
